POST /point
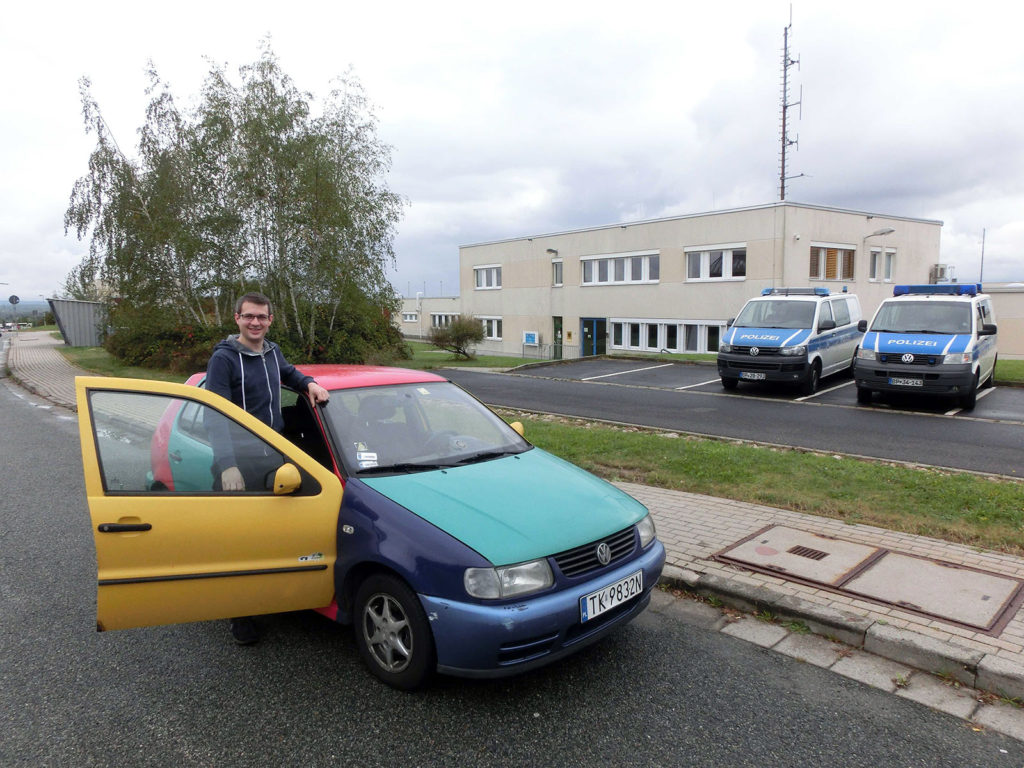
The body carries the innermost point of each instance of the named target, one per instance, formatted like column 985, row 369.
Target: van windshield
column 780, row 313
column 943, row 317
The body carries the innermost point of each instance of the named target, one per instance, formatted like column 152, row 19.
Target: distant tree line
column 247, row 190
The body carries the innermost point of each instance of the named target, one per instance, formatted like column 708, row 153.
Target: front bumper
column 939, row 379
column 774, row 366
column 479, row 640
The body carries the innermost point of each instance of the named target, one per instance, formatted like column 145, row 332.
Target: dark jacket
column 252, row 381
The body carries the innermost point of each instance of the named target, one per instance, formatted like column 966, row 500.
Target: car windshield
column 943, row 317
column 416, row 427
column 779, row 313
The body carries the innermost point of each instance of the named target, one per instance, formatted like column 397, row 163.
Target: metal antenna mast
column 787, row 62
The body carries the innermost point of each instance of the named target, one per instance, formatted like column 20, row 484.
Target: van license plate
column 906, row 382
column 603, row 600
column 751, row 376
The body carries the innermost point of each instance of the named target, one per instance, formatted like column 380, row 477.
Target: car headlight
column 508, row 581
column 793, row 351
column 960, row 358
column 646, row 530
column 725, row 347
column 866, row 354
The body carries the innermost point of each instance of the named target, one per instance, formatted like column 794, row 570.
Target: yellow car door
column 169, row 553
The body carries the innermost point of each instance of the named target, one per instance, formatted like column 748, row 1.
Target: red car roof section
column 352, row 376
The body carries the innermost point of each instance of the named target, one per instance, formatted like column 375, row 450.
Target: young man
column 248, row 370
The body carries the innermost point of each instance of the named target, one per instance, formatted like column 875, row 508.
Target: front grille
column 897, row 357
column 761, row 351
column 580, row 560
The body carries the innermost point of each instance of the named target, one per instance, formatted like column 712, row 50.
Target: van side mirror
column 518, row 427
column 287, row 479
column 862, row 326
column 826, row 325
column 987, row 329
column 729, row 322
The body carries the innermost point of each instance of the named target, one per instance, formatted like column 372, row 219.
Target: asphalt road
column 663, row 692
column 689, row 399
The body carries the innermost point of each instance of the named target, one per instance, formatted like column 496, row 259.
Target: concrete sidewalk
column 970, row 674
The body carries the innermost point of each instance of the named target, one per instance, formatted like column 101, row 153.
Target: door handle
column 123, row 527
column 174, row 456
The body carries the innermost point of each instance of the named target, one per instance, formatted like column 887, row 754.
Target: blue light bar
column 946, row 289
column 794, row 292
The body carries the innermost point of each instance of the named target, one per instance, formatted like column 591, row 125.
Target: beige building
column 672, row 284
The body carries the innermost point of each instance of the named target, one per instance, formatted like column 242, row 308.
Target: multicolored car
column 403, row 507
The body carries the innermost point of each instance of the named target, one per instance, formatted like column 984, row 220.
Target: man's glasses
column 249, row 317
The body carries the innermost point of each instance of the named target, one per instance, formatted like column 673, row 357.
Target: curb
column 975, row 669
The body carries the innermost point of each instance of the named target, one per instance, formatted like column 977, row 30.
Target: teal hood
column 515, row 508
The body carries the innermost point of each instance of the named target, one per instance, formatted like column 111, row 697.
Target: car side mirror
column 287, row 479
column 862, row 326
column 729, row 322
column 518, row 427
column 987, row 329
column 826, row 325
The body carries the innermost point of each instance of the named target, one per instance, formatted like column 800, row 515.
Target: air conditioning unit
column 939, row 272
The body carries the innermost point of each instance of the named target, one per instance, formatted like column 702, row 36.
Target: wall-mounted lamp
column 553, row 251
column 878, row 232
column 796, row 237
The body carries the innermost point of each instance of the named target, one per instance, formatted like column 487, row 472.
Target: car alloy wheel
column 392, row 632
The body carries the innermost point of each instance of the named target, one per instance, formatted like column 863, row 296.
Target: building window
column 410, row 317
column 656, row 335
column 831, row 263
column 727, row 262
column 487, row 278
column 881, row 264
column 621, row 269
column 556, row 272
column 492, row 328
column 441, row 319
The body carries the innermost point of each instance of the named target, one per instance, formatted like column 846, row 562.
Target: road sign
column 14, row 299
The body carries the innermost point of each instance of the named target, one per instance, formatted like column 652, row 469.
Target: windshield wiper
column 403, row 466
column 485, row 455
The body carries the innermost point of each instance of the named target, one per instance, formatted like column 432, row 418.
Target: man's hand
column 318, row 393
column 231, row 480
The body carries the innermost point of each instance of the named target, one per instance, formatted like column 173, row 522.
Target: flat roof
column 777, row 204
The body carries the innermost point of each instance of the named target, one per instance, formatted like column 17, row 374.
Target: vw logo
column 907, row 358
column 754, row 351
column 604, row 553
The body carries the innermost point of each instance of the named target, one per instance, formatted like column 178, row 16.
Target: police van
column 795, row 335
column 929, row 339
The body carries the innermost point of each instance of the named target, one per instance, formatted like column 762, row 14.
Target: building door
column 594, row 336
column 556, row 335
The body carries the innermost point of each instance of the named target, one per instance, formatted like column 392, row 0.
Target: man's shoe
column 245, row 631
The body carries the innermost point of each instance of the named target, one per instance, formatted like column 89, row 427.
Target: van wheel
column 863, row 396
column 393, row 633
column 729, row 383
column 967, row 401
column 810, row 384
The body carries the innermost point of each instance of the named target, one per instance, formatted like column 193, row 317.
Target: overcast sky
column 518, row 119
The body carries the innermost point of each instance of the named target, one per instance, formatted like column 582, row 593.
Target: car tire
column 991, row 380
column 968, row 400
column 392, row 632
column 810, row 385
column 729, row 383
column 863, row 396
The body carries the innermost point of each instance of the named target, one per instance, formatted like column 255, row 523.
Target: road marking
column 632, row 370
column 824, row 391
column 700, row 384
column 981, row 394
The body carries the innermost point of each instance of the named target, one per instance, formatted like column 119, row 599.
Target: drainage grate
column 813, row 554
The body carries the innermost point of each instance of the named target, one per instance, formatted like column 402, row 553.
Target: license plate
column 751, row 376
column 906, row 382
column 603, row 600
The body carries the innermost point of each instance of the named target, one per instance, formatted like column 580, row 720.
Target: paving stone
column 755, row 631
column 933, row 692
column 1001, row 676
column 872, row 670
column 813, row 649
column 924, row 652
column 1003, row 718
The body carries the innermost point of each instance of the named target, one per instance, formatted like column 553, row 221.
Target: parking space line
column 825, row 391
column 699, row 384
column 981, row 394
column 632, row 370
